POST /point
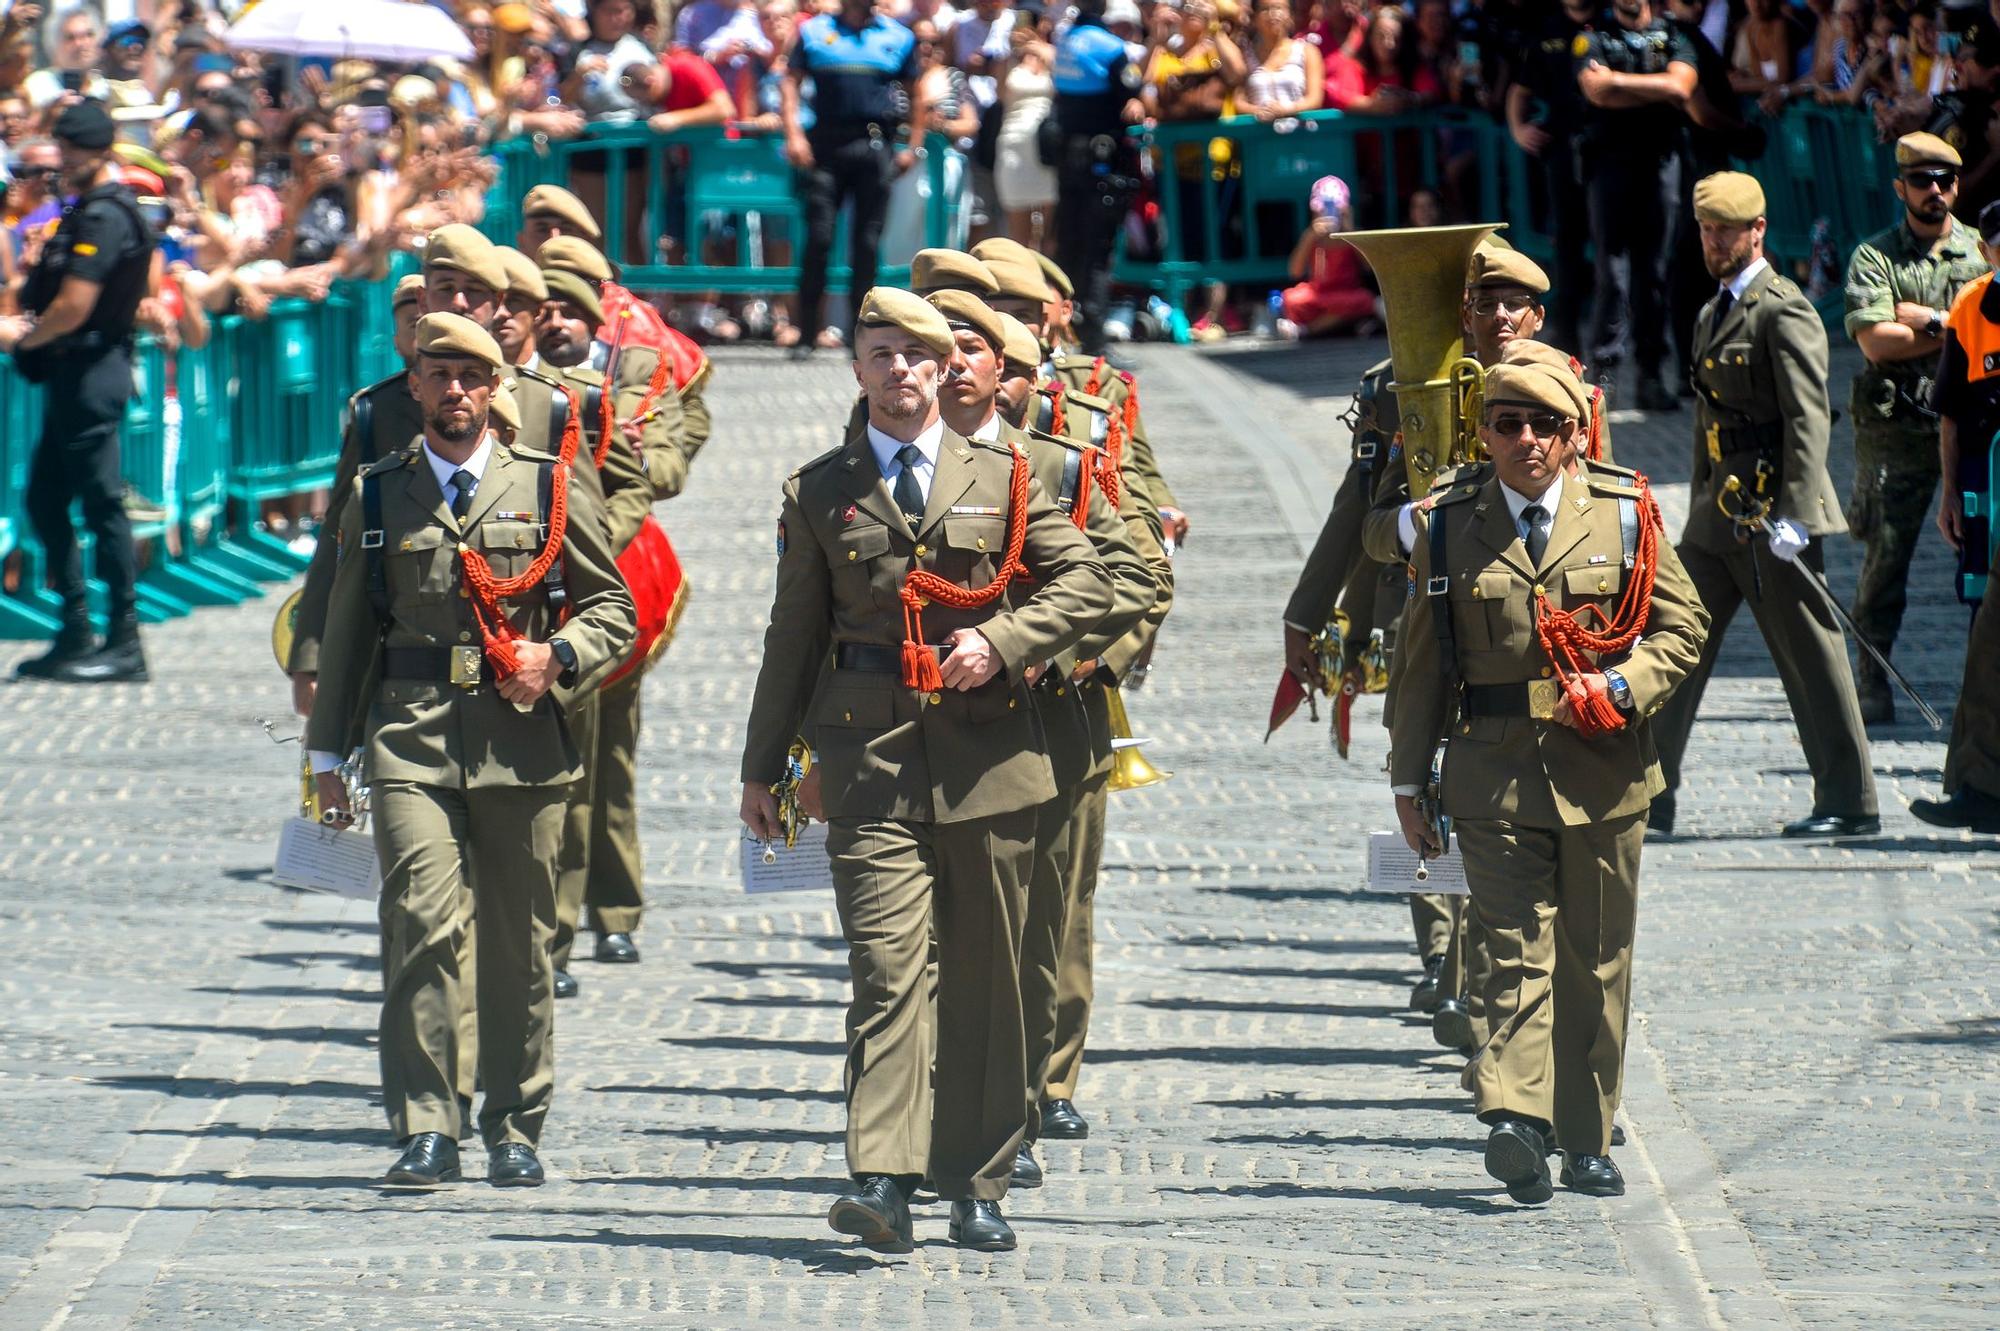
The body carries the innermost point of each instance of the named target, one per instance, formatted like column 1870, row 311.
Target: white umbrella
column 383, row 30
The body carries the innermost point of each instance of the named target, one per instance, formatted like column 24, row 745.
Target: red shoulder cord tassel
column 486, row 591
column 1566, row 640
column 920, row 665
column 1080, row 513
column 608, row 423
column 1593, row 440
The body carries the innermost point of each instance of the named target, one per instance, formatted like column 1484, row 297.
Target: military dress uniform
column 931, row 798
column 467, row 788
column 1760, row 389
column 1549, row 821
column 1895, row 430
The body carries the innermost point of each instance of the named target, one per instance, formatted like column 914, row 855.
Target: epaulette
column 1456, row 490
column 402, row 457
column 1611, row 487
column 1088, row 400
column 1611, row 469
column 1043, row 436
column 400, row 377
column 1783, row 287
column 819, row 461
column 1473, row 473
column 527, row 373
column 532, row 454
column 999, row 446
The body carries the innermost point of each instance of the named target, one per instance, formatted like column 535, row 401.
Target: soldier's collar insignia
column 846, row 514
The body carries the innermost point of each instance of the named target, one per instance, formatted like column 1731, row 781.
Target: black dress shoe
column 1969, row 808
column 428, row 1159
column 1517, row 1155
column 74, row 643
column 1617, row 1135
column 513, row 1165
column 1835, row 824
column 1061, row 1122
column 1451, row 1025
column 616, row 948
column 1027, row 1171
column 1660, row 820
column 117, row 662
column 1424, row 998
column 978, row 1225
column 1592, row 1175
column 877, row 1213
column 565, row 985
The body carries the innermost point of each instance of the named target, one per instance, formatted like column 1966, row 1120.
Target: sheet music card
column 802, row 867
column 1392, row 867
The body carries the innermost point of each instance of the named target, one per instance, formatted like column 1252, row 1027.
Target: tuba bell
column 1129, row 768
column 284, row 629
column 1421, row 271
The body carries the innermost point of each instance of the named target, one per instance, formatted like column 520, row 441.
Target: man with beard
column 895, row 551
column 468, row 755
column 76, row 339
column 1760, row 390
column 1900, row 286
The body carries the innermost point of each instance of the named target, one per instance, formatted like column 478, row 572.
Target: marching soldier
column 468, row 756
column 520, row 303
column 1762, row 417
column 1068, row 697
column 895, row 550
column 1900, row 284
column 1548, row 761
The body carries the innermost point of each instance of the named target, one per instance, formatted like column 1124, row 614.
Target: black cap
column 85, row 124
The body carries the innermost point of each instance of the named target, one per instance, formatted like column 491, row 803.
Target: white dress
column 1019, row 177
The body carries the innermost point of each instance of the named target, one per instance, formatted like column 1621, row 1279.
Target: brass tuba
column 1421, row 271
column 284, row 629
column 1129, row 768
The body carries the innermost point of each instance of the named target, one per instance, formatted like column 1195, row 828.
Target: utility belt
column 875, row 659
column 38, row 364
column 1534, row 698
column 461, row 667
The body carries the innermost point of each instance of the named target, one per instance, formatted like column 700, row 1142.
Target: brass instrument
column 1421, row 271
column 284, row 629
column 1129, row 768
column 792, row 818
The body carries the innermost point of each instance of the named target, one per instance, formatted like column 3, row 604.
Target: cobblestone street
column 191, row 1133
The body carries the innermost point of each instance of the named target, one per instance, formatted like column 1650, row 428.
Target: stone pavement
column 190, row 1131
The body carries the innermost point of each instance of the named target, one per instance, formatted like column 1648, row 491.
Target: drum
column 659, row 591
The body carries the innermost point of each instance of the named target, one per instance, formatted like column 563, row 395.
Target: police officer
column 1548, row 760
column 468, row 756
column 1097, row 81
column 916, row 699
column 1544, row 112
column 1900, row 285
column 1760, row 386
column 77, row 339
column 1634, row 73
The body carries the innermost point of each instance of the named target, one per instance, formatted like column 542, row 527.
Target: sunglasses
column 36, row 172
column 1542, row 423
column 1943, row 178
column 1488, row 306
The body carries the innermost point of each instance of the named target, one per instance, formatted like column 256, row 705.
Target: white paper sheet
column 327, row 859
column 1392, row 867
column 800, row 868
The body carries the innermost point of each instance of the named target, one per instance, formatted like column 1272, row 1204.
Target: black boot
column 74, row 642
column 120, row 661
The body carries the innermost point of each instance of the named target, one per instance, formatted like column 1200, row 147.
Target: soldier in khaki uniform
column 514, row 321
column 1068, row 697
column 1550, row 819
column 930, row 791
column 1900, row 286
column 1761, row 395
column 467, row 774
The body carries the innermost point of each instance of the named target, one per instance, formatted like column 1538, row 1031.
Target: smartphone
column 73, row 79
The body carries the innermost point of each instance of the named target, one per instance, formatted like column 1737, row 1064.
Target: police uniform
column 1761, row 393
column 1549, row 821
column 1547, row 70
column 466, row 788
column 1097, row 171
column 1895, row 430
column 914, row 843
column 88, row 375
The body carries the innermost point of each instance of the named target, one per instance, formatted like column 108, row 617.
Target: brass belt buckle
column 1714, row 442
column 465, row 667
column 1542, row 695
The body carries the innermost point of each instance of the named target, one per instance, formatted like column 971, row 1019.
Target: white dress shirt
column 885, row 450
column 989, row 431
column 1740, row 283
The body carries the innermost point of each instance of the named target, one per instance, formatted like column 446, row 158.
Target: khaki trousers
column 468, row 981
column 573, row 866
column 1431, row 917
column 1557, row 908
column 1076, row 982
column 616, row 865
column 439, row 848
column 1051, row 966
column 894, row 882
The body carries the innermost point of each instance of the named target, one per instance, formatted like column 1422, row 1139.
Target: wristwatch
column 1621, row 692
column 1935, row 328
column 566, row 654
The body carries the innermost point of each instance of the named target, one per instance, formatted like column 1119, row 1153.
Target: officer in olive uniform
column 1068, row 698
column 1900, row 285
column 77, row 341
column 1549, row 820
column 931, row 797
column 1760, row 386
column 520, row 303
column 467, row 771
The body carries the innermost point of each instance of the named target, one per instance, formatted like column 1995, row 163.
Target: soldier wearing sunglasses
column 1900, row 285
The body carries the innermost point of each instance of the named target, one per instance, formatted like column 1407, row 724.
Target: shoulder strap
column 364, row 428
column 593, row 408
column 1072, row 471
column 553, row 581
column 558, row 417
column 1628, row 528
column 1438, row 589
column 600, row 355
column 371, row 548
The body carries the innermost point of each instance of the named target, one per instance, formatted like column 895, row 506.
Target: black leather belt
column 465, row 667
column 1750, row 438
column 1533, row 698
column 875, row 658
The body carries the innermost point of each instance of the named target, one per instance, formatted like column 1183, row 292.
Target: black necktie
column 1722, row 303
column 463, row 483
column 1537, row 519
column 909, row 495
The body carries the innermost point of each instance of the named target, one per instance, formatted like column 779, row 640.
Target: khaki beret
column 1533, row 384
column 455, row 335
column 1728, row 197
column 409, row 290
column 1525, row 350
column 962, row 309
column 950, row 270
column 565, row 207
column 1000, row 247
column 463, row 249
column 523, row 278
column 561, row 284
column 891, row 307
column 1018, row 347
column 1057, row 277
column 573, row 254
column 1922, row 149
column 1493, row 266
column 504, row 410
column 1020, row 279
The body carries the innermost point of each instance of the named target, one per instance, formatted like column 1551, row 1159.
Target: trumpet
column 1129, row 768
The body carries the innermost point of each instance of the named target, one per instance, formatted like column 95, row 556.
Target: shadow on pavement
column 757, row 970
column 818, row 1256
column 740, row 1136
column 310, row 1136
column 1320, row 1139
column 216, row 1088
column 1430, row 1199
column 1262, row 1055
column 314, row 1183
column 751, row 1045
column 1359, row 974
column 726, row 1092
column 769, row 1000
column 1286, row 1100
column 294, row 1034
column 1273, row 1007
column 1262, row 893
column 291, row 991
column 1969, row 1030
column 352, row 960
